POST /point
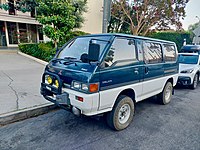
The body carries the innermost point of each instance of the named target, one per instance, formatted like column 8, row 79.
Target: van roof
column 131, row 36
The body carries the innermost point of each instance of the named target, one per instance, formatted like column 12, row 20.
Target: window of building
column 12, row 32
column 33, row 13
column 40, row 31
column 11, row 7
column 152, row 52
column 169, row 52
column 23, row 36
column 2, row 34
column 121, row 53
column 32, row 33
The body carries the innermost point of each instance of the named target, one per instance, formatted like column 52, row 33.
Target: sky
column 192, row 10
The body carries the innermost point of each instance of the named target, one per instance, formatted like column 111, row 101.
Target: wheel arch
column 198, row 72
column 128, row 92
column 170, row 80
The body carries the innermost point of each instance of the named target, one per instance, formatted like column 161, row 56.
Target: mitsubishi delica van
column 109, row 73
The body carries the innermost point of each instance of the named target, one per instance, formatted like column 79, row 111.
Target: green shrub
column 42, row 50
column 46, row 51
column 177, row 37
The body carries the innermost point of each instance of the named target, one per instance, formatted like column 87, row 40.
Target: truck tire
column 122, row 114
column 195, row 82
column 165, row 96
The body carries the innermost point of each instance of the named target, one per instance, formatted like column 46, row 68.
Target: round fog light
column 57, row 83
column 49, row 80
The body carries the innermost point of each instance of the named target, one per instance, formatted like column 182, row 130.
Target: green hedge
column 177, row 37
column 44, row 51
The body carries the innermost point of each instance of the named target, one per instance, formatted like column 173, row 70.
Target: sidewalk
column 20, row 79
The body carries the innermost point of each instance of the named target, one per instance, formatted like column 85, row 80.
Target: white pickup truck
column 189, row 69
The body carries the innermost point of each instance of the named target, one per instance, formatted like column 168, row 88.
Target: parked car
column 109, row 73
column 190, row 49
column 189, row 69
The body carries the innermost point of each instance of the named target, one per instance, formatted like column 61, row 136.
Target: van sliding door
column 153, row 68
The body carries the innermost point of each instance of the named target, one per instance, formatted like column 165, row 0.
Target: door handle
column 136, row 70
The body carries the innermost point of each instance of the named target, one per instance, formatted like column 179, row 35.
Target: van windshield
column 188, row 59
column 79, row 46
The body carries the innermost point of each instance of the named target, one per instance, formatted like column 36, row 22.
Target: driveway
column 20, row 79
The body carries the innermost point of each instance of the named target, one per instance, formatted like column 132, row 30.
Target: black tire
column 195, row 82
column 165, row 96
column 122, row 114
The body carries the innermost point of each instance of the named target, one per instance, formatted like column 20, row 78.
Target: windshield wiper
column 65, row 60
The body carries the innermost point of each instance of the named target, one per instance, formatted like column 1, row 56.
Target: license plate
column 63, row 98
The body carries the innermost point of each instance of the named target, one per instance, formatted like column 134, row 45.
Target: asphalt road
column 155, row 127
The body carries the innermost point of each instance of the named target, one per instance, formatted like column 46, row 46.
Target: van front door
column 119, row 69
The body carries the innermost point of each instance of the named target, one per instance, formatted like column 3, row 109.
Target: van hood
column 186, row 67
column 72, row 71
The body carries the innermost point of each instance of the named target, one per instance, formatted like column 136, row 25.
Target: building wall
column 93, row 24
column 93, row 17
column 17, row 27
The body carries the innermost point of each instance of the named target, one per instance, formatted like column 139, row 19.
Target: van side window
column 169, row 52
column 140, row 50
column 122, row 52
column 152, row 52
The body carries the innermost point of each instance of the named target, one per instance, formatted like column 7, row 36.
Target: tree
column 177, row 37
column 118, row 21
column 60, row 17
column 26, row 5
column 142, row 15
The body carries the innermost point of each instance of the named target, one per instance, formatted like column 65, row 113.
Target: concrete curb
column 25, row 114
column 33, row 58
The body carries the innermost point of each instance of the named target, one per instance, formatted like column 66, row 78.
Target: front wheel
column 165, row 96
column 195, row 81
column 122, row 114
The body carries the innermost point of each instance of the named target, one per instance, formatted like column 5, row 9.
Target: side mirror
column 93, row 53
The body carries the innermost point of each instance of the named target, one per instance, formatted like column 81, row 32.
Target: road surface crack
column 15, row 92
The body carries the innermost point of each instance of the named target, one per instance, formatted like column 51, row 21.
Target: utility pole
column 106, row 15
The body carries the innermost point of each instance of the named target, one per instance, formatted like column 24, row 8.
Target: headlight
column 92, row 88
column 187, row 71
column 49, row 79
column 84, row 87
column 76, row 85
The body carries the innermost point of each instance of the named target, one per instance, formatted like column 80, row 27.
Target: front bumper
column 66, row 98
column 53, row 95
column 184, row 80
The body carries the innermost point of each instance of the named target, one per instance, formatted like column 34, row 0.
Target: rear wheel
column 165, row 96
column 122, row 114
column 195, row 81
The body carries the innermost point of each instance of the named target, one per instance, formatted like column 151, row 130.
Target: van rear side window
column 152, row 53
column 169, row 53
column 122, row 52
